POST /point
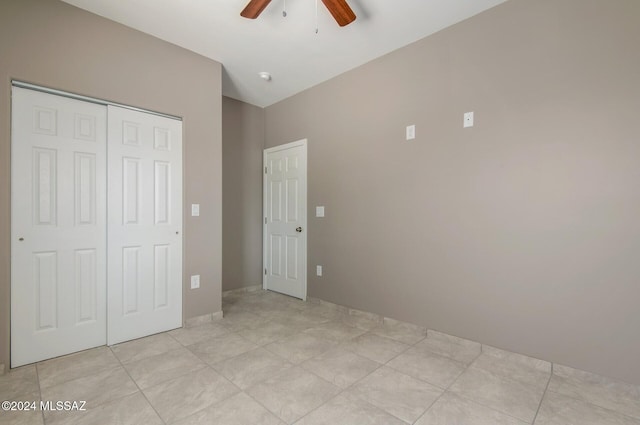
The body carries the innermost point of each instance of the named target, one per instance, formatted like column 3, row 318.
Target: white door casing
column 58, row 232
column 285, row 213
column 144, row 224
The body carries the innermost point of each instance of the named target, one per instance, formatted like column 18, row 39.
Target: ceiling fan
column 340, row 10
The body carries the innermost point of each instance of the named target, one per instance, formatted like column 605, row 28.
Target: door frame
column 298, row 143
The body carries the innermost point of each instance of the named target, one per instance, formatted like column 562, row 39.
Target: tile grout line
column 84, row 376
column 482, row 350
column 344, row 391
column 487, row 407
column 40, row 392
column 544, row 394
column 66, row 382
column 508, row 379
column 427, row 329
column 136, row 384
column 590, row 403
column 269, row 410
column 409, row 346
column 434, row 354
column 263, row 406
column 385, row 364
column 207, row 365
column 469, row 399
column 430, row 406
column 446, row 390
column 380, row 365
column 464, row 370
column 245, row 391
column 219, row 401
column 341, row 390
column 547, row 392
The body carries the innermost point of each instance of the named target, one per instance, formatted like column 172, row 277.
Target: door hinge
column 265, row 272
column 265, row 170
column 265, row 220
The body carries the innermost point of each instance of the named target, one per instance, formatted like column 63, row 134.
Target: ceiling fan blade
column 254, row 8
column 341, row 11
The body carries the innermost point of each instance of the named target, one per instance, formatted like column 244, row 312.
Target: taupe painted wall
column 242, row 147
column 522, row 232
column 56, row 45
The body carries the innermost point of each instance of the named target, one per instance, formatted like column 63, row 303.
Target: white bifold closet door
column 58, row 226
column 96, row 250
column 144, row 224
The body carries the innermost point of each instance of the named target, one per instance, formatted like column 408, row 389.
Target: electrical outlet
column 195, row 281
column 318, row 270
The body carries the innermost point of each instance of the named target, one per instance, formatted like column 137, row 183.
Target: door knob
column 299, row 229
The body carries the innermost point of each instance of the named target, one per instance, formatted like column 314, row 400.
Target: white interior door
column 285, row 212
column 144, row 224
column 58, row 232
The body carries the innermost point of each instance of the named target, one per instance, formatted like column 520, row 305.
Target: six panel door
column 285, row 194
column 58, row 233
column 144, row 224
column 64, row 296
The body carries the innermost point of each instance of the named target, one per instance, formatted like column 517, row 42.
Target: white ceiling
column 288, row 48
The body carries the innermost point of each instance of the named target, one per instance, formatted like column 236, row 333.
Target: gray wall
column 522, row 232
column 242, row 146
column 56, row 45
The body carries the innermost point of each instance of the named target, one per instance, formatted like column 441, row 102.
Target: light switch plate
column 195, row 210
column 319, row 211
column 195, row 281
column 467, row 120
column 411, row 132
column 318, row 270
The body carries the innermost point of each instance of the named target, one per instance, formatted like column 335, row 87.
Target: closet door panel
column 144, row 224
column 58, row 232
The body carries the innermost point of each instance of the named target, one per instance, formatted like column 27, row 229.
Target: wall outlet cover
column 318, row 270
column 319, row 211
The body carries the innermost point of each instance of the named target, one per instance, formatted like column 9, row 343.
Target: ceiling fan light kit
column 339, row 9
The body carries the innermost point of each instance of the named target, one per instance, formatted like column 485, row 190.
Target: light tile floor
column 277, row 360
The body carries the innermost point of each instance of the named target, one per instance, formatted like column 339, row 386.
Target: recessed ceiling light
column 265, row 76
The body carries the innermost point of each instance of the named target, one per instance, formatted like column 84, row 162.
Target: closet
column 96, row 207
